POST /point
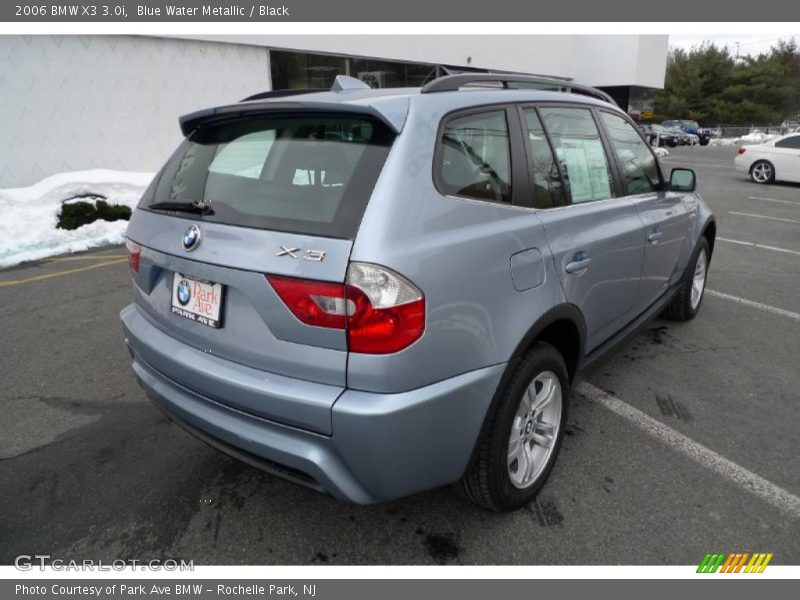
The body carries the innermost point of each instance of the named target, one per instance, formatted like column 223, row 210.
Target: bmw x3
column 378, row 292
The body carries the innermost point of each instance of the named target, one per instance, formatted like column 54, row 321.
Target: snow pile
column 754, row 137
column 661, row 152
column 757, row 137
column 28, row 216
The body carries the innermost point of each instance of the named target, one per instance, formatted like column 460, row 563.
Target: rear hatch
column 247, row 197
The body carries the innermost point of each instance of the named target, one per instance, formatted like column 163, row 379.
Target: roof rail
column 452, row 83
column 280, row 94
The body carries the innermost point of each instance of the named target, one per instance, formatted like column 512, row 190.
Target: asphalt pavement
column 700, row 454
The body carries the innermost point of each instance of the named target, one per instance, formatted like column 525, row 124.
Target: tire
column 495, row 481
column 686, row 303
column 672, row 143
column 762, row 171
column 704, row 142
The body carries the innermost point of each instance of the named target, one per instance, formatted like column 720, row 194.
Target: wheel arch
column 710, row 233
column 564, row 327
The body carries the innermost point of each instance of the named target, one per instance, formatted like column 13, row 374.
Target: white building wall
column 598, row 60
column 609, row 60
column 79, row 102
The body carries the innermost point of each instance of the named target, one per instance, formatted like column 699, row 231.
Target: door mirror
column 682, row 180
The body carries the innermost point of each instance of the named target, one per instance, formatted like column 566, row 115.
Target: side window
column 636, row 161
column 245, row 156
column 474, row 157
column 580, row 151
column 547, row 185
column 789, row 142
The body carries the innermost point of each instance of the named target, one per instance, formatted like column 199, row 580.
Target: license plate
column 198, row 300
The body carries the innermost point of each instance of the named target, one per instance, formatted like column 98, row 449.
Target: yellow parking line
column 89, row 257
column 11, row 282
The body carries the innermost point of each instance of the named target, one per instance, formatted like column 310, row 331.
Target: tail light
column 134, row 254
column 317, row 303
column 389, row 310
column 741, row 150
column 381, row 310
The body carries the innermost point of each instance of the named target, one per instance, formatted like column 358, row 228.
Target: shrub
column 112, row 212
column 83, row 212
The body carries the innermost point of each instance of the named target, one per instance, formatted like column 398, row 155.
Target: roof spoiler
column 280, row 94
column 342, row 83
column 188, row 123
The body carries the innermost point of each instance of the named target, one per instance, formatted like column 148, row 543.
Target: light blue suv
column 379, row 292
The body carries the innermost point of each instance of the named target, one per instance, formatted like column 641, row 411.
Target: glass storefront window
column 301, row 70
column 384, row 73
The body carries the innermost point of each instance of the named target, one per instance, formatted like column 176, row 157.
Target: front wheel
column 519, row 446
column 686, row 303
column 762, row 171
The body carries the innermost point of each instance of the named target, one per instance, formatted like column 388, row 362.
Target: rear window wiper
column 195, row 206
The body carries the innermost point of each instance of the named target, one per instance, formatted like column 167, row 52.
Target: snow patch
column 754, row 137
column 660, row 152
column 28, row 216
column 757, row 137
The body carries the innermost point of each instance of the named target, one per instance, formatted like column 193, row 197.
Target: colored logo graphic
column 184, row 292
column 191, row 238
column 734, row 562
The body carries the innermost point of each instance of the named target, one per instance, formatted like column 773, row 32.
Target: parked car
column 379, row 292
column 702, row 134
column 775, row 160
column 656, row 135
column 681, row 136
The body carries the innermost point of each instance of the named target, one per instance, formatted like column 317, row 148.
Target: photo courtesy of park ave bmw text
column 322, row 300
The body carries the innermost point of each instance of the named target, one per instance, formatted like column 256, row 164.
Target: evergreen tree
column 708, row 85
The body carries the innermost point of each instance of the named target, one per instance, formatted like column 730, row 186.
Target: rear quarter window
column 310, row 174
column 474, row 157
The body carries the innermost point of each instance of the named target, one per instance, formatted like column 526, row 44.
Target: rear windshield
column 310, row 174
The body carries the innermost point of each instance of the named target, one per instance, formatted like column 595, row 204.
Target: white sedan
column 778, row 159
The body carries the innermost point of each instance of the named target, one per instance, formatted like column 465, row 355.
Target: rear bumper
column 381, row 446
column 741, row 164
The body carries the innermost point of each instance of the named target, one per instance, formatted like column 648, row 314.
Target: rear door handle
column 654, row 236
column 580, row 261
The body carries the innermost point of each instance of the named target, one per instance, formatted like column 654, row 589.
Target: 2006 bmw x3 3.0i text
column 379, row 292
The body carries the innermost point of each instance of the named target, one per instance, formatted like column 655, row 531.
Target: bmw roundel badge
column 191, row 238
column 184, row 292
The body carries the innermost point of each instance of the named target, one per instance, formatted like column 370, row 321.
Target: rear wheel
column 762, row 171
column 686, row 303
column 519, row 446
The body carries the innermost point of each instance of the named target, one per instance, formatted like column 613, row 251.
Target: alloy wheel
column 699, row 279
column 534, row 430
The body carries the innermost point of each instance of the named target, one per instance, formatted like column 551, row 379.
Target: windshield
column 309, row 174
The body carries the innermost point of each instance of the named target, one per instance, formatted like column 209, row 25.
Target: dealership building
column 100, row 101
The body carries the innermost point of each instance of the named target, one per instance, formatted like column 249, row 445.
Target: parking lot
column 686, row 441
